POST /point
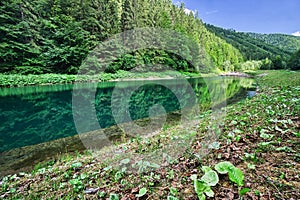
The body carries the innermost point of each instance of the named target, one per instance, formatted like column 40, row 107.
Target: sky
column 260, row 16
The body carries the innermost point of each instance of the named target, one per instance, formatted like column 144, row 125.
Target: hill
column 288, row 43
column 256, row 48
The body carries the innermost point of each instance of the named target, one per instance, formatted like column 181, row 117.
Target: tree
column 294, row 62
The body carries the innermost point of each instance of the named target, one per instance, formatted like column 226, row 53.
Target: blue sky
column 261, row 16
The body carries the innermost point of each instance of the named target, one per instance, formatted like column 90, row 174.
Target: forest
column 49, row 36
column 276, row 51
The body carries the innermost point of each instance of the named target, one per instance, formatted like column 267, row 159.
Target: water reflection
column 36, row 114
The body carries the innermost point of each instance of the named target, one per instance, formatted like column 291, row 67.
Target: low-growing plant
column 142, row 192
column 210, row 178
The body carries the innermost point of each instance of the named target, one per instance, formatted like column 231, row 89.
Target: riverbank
column 260, row 137
column 15, row 80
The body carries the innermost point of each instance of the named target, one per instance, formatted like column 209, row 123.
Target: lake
column 38, row 114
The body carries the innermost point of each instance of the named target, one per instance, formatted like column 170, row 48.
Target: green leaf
column 194, row 177
column 107, row 168
column 211, row 178
column 266, row 136
column 297, row 135
column 236, row 176
column 244, row 191
column 125, row 161
column 285, row 149
column 265, row 143
column 233, row 122
column 172, row 198
column 250, row 166
column 201, row 196
column 154, row 165
column 223, row 167
column 12, row 190
column 142, row 192
column 173, row 191
column 210, row 193
column 76, row 165
column 201, row 188
column 113, row 197
column 238, row 131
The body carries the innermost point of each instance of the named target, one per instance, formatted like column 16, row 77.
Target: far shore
column 15, row 80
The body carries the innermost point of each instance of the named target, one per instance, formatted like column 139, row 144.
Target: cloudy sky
column 261, row 16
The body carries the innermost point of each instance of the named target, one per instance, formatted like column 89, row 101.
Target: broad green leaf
column 244, row 191
column 223, row 167
column 200, row 188
column 142, row 192
column 210, row 193
column 211, row 178
column 236, row 176
column 201, row 196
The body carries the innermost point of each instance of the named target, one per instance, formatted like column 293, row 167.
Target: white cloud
column 178, row 3
column 188, row 11
column 296, row 33
column 211, row 12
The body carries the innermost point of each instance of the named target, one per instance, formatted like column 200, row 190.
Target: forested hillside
column 258, row 48
column 53, row 36
column 286, row 42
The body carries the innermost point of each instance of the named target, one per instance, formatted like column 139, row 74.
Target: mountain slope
column 288, row 43
column 251, row 48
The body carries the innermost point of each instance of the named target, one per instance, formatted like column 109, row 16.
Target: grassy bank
column 15, row 80
column 260, row 138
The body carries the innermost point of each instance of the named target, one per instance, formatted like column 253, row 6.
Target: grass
column 260, row 137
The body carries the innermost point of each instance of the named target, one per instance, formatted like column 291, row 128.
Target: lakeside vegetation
column 261, row 144
column 16, row 80
column 257, row 155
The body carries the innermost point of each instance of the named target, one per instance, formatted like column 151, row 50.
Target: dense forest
column 286, row 42
column 274, row 50
column 53, row 36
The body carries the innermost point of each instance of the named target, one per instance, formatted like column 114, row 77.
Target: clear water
column 37, row 114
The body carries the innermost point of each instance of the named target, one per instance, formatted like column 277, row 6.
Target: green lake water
column 37, row 114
